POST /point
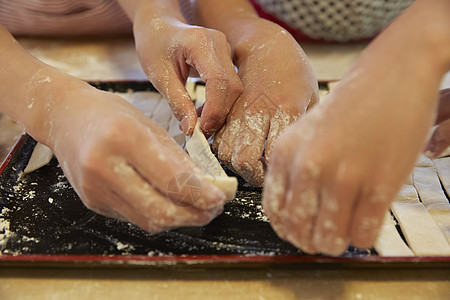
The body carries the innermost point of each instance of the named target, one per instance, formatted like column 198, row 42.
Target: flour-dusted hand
column 124, row 165
column 279, row 86
column 120, row 162
column 335, row 172
column 168, row 49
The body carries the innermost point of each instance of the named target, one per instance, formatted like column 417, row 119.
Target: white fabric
column 336, row 20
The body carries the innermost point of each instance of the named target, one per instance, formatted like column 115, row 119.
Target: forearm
column 239, row 21
column 415, row 48
column 30, row 89
column 151, row 10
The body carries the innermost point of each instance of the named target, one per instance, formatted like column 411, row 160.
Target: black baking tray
column 50, row 226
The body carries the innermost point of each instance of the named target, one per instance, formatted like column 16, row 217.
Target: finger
column 223, row 85
column 274, row 192
column 443, row 112
column 302, row 204
column 249, row 147
column 157, row 158
column 279, row 122
column 167, row 173
column 152, row 210
column 226, row 141
column 440, row 139
column 105, row 201
column 170, row 84
column 314, row 100
column 369, row 213
column 218, row 136
column 331, row 232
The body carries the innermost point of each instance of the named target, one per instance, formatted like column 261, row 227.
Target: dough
column 427, row 184
column 442, row 166
column 41, row 156
column 420, row 230
column 441, row 214
column 423, row 235
column 200, row 92
column 389, row 242
column 198, row 148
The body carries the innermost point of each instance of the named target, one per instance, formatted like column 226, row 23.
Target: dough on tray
column 389, row 242
column 198, row 148
column 41, row 156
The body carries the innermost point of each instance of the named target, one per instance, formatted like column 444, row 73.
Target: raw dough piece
column 200, row 92
column 146, row 102
column 441, row 214
column 408, row 194
column 198, row 148
column 423, row 235
column 190, row 88
column 424, row 161
column 175, row 131
column 427, row 184
column 442, row 166
column 41, row 156
column 389, row 242
column 162, row 114
column 420, row 230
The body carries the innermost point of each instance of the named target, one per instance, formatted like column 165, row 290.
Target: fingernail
column 430, row 150
column 185, row 125
column 429, row 154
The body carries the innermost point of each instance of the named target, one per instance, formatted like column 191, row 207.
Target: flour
column 249, row 206
column 5, row 232
column 124, row 247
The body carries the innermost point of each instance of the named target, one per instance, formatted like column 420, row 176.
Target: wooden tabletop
column 233, row 283
column 223, row 283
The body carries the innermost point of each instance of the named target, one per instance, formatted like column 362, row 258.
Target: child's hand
column 335, row 172
column 279, row 85
column 124, row 165
column 168, row 49
column 440, row 139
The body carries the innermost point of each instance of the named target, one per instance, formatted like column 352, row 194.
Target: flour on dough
column 198, row 148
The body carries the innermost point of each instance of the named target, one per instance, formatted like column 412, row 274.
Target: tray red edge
column 207, row 259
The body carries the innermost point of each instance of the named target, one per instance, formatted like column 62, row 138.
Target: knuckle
column 236, row 87
column 241, row 163
column 224, row 153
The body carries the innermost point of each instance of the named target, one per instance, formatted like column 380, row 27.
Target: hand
column 123, row 165
column 440, row 138
column 334, row 173
column 168, row 49
column 279, row 85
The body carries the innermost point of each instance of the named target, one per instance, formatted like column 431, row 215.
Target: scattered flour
column 5, row 232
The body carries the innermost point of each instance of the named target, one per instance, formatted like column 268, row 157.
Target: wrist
column 153, row 15
column 431, row 25
column 47, row 97
column 259, row 33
